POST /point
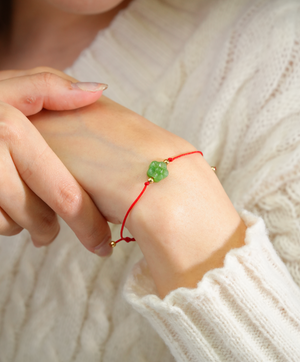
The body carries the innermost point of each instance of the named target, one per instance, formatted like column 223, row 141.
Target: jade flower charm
column 158, row 171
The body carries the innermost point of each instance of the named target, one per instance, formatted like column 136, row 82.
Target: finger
column 21, row 207
column 7, row 225
column 6, row 74
column 48, row 178
column 32, row 93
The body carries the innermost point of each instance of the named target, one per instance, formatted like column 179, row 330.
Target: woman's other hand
column 34, row 183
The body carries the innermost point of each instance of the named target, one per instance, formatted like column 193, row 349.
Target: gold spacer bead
column 166, row 161
column 113, row 244
column 151, row 180
column 214, row 168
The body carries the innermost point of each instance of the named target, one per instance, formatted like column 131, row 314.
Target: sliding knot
column 128, row 239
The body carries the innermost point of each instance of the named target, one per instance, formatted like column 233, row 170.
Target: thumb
column 13, row 73
column 31, row 93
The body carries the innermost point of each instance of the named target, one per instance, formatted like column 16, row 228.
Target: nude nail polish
column 90, row 86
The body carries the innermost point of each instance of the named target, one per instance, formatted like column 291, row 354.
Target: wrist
column 185, row 225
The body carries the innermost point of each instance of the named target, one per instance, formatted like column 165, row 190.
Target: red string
column 127, row 239
column 146, row 184
column 171, row 159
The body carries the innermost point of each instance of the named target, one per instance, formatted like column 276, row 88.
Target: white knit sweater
column 225, row 75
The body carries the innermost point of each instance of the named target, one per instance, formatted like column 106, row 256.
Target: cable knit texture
column 225, row 75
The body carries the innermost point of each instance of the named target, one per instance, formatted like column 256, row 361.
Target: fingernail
column 90, row 86
column 104, row 249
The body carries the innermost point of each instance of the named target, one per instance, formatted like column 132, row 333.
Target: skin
column 190, row 236
column 34, row 184
column 56, row 31
column 193, row 236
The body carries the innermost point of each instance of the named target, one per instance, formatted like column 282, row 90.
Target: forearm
column 185, row 225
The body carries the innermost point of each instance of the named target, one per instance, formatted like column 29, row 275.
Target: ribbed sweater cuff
column 248, row 310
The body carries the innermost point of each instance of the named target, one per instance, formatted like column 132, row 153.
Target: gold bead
column 166, row 161
column 151, row 180
column 113, row 244
column 214, row 168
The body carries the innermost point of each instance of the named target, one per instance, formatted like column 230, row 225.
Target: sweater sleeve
column 248, row 310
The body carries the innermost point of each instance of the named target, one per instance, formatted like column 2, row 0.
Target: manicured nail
column 104, row 249
column 90, row 86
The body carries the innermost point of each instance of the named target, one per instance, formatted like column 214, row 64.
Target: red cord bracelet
column 157, row 171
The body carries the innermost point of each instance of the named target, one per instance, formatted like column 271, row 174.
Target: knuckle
column 70, row 201
column 54, row 71
column 30, row 100
column 44, row 79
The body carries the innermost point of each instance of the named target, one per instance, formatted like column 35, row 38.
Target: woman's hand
column 108, row 149
column 184, row 224
column 34, row 184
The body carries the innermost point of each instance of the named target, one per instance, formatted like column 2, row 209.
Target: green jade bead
column 158, row 171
